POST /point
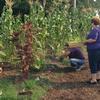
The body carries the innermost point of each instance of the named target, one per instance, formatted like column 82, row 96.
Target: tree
column 21, row 8
column 2, row 3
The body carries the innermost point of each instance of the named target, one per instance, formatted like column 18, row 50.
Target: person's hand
column 89, row 41
column 63, row 52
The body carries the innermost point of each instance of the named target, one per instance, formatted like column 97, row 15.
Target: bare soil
column 71, row 86
column 67, row 84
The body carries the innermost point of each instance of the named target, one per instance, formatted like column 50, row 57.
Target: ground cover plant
column 11, row 91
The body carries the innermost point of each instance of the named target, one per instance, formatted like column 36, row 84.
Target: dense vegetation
column 54, row 23
column 32, row 32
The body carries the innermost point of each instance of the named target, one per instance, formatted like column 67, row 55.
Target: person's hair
column 66, row 45
column 95, row 20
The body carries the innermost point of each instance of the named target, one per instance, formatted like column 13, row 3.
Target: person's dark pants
column 76, row 63
column 94, row 60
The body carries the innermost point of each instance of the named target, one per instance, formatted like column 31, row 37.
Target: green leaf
column 2, row 53
column 1, row 46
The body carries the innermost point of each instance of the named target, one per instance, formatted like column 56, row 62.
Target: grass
column 9, row 90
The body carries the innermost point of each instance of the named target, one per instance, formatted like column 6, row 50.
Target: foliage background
column 55, row 22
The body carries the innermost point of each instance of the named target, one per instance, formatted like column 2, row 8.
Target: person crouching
column 75, row 56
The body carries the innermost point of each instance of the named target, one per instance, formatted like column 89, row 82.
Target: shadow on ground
column 53, row 68
column 66, row 85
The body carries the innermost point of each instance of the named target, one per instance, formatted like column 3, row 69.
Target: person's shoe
column 91, row 82
column 78, row 69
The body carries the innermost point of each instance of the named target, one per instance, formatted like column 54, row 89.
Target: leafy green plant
column 49, row 32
